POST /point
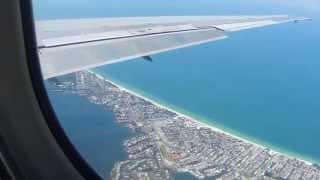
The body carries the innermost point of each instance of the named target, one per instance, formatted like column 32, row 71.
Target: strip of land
column 199, row 123
column 167, row 142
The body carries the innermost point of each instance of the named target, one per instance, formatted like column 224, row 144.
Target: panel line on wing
column 112, row 35
column 61, row 60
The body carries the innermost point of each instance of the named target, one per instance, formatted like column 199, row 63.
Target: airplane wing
column 67, row 46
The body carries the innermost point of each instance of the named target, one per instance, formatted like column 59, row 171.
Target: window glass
column 155, row 90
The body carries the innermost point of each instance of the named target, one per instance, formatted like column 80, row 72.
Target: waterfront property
column 166, row 142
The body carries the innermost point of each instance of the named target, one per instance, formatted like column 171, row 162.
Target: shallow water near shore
column 210, row 123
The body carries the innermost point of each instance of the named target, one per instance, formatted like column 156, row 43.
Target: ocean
column 262, row 85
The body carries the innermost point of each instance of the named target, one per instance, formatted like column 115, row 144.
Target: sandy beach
column 198, row 122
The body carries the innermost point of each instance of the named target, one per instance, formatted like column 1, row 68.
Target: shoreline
column 201, row 123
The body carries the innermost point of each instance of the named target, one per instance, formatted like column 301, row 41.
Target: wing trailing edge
column 67, row 46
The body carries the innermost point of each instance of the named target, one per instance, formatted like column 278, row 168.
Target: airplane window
column 186, row 89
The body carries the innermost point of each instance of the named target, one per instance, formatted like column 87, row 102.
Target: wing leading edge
column 67, row 46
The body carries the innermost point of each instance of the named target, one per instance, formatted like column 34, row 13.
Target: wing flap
column 59, row 60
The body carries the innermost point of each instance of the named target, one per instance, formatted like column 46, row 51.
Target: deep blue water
column 261, row 84
column 92, row 129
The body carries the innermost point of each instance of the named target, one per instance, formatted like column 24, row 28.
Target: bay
column 92, row 129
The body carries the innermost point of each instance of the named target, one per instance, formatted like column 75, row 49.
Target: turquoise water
column 261, row 84
column 92, row 129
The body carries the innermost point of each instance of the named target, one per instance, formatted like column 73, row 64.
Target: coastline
column 204, row 123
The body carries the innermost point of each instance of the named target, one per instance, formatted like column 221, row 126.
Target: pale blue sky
column 53, row 9
column 311, row 5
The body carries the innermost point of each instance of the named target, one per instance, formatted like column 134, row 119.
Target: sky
column 56, row 9
column 311, row 5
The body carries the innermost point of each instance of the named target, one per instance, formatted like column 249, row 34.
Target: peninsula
column 166, row 142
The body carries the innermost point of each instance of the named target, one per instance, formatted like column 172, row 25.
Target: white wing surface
column 67, row 46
